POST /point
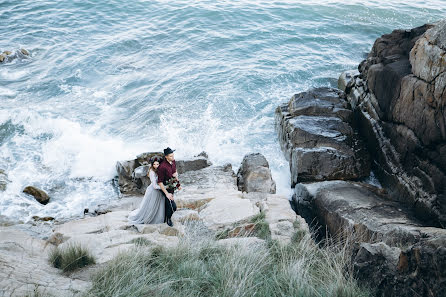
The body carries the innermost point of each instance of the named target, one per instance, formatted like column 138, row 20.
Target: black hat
column 167, row 151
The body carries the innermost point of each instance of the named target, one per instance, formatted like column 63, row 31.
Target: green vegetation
column 257, row 226
column 70, row 258
column 141, row 241
column 207, row 268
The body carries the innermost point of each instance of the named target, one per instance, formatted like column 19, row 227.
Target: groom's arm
column 168, row 195
column 161, row 176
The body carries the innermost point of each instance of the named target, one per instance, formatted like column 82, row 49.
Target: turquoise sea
column 107, row 80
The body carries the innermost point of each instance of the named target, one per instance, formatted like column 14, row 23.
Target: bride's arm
column 153, row 180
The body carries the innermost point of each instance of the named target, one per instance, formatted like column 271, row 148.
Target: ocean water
column 107, row 80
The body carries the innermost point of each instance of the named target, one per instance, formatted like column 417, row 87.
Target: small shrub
column 140, row 241
column 71, row 257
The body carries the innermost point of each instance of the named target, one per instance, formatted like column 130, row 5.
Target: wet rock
column 2, row 58
column 401, row 116
column 7, row 53
column 254, row 175
column 317, row 138
column 3, row 180
column 195, row 163
column 43, row 219
column 38, row 194
column 24, row 51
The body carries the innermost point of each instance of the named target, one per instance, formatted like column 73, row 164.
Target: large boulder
column 399, row 98
column 254, row 175
column 316, row 135
column 196, row 163
column 40, row 195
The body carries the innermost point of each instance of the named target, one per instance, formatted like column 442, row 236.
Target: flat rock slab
column 23, row 264
column 341, row 205
column 227, row 210
column 116, row 220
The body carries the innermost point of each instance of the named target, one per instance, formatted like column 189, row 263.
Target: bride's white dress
column 151, row 210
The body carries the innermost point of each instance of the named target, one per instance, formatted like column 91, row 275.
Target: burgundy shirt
column 166, row 170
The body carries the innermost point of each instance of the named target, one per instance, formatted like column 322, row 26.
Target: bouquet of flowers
column 172, row 185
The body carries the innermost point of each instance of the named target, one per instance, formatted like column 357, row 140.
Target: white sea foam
column 7, row 92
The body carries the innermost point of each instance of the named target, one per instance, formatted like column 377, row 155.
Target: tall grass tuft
column 70, row 257
column 207, row 268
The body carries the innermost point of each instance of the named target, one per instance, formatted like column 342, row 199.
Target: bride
column 151, row 210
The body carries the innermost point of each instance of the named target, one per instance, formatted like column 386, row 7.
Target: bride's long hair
column 153, row 160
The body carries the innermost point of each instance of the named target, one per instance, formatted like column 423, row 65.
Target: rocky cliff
column 399, row 96
column 390, row 119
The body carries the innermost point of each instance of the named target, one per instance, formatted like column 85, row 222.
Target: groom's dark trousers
column 170, row 207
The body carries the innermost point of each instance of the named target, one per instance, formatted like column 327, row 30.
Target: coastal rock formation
column 38, row 194
column 390, row 117
column 254, row 175
column 209, row 203
column 399, row 97
column 397, row 253
column 317, row 138
column 132, row 174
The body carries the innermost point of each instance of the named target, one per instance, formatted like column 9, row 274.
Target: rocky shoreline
column 388, row 117
column 210, row 204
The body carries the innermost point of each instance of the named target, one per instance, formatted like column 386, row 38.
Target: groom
column 166, row 171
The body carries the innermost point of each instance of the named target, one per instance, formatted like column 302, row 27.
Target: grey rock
column 346, row 79
column 394, row 271
column 38, row 194
column 254, row 175
column 145, row 158
column 3, row 180
column 317, row 138
column 195, row 163
column 402, row 118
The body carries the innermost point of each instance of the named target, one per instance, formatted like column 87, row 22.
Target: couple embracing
column 158, row 204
